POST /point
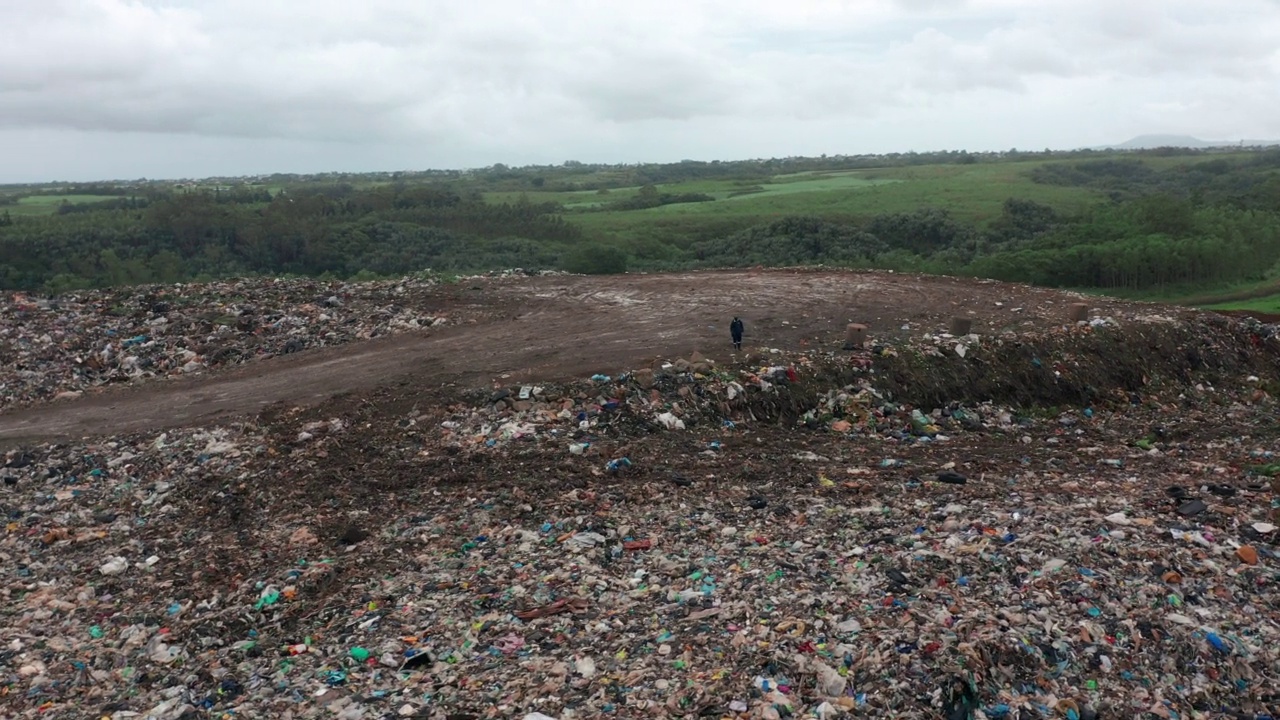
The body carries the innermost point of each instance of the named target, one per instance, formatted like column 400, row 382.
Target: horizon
column 1246, row 143
column 228, row 88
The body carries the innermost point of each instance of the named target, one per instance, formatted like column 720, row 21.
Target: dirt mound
column 1068, row 519
column 1085, row 365
column 501, row 329
column 1269, row 318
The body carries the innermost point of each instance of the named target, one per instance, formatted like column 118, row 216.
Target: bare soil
column 555, row 327
column 1269, row 318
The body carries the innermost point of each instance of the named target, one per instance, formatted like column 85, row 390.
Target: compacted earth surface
column 564, row 497
column 472, row 331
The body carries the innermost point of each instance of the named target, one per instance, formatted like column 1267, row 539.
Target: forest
column 1133, row 222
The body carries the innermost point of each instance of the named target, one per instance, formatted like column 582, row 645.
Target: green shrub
column 596, row 260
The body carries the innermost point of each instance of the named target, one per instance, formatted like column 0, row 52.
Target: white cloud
column 527, row 80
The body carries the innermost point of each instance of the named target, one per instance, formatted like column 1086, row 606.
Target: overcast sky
column 97, row 89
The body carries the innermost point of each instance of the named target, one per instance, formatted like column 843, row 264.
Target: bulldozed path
column 553, row 327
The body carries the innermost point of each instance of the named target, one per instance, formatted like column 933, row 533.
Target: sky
column 122, row 89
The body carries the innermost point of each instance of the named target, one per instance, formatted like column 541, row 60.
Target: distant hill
column 1147, row 142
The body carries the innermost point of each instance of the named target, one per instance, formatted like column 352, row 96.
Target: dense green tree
column 1201, row 219
column 1022, row 220
column 923, row 231
column 595, row 260
column 792, row 241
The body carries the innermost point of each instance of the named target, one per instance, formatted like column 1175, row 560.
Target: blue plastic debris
column 1218, row 643
column 616, row 465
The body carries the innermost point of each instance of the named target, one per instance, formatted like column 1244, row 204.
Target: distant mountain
column 1147, row 142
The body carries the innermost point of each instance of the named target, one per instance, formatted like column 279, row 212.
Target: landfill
column 61, row 347
column 1076, row 525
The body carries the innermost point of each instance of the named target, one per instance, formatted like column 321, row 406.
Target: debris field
column 570, row 500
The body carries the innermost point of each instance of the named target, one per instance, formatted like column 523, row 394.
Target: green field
column 48, row 204
column 809, row 182
column 1269, row 304
column 973, row 193
column 1199, row 228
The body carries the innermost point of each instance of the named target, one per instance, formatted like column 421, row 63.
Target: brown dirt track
column 553, row 327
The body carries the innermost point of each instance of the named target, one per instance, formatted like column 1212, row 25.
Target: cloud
column 560, row 78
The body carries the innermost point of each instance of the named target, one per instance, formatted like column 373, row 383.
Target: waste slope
column 1085, row 366
column 825, row 535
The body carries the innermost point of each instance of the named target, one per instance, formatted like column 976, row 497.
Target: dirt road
column 554, row 327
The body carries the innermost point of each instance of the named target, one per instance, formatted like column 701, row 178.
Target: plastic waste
column 670, row 421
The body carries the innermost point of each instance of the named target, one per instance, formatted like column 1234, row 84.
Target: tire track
column 552, row 328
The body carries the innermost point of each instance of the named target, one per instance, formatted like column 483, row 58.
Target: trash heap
column 671, row 396
column 799, row 549
column 921, row 390
column 695, row 394
column 63, row 346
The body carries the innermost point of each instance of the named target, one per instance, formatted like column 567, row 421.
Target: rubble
column 60, row 347
column 800, row 535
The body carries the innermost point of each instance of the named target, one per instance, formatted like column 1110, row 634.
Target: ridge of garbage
column 1079, row 523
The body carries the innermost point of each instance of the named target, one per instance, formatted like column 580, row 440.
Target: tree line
column 1202, row 223
column 339, row 231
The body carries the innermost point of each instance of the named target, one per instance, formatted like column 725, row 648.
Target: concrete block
column 855, row 336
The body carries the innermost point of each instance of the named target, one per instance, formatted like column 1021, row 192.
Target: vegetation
column 1155, row 223
column 1269, row 305
column 595, row 260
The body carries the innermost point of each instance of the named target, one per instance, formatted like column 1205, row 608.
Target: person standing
column 735, row 329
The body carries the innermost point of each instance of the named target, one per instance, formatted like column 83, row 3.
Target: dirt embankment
column 547, row 328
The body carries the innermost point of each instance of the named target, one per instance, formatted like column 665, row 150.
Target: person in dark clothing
column 735, row 329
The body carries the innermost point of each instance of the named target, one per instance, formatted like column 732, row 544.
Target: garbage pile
column 813, row 546
column 694, row 393
column 673, row 396
column 923, row 389
column 63, row 346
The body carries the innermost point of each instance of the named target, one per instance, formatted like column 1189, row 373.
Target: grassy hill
column 1160, row 223
column 46, row 204
column 970, row 192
